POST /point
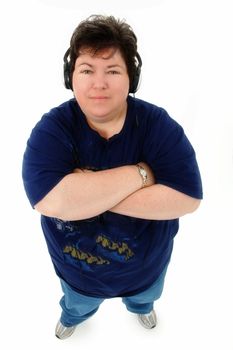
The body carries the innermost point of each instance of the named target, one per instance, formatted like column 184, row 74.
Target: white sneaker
column 148, row 321
column 63, row 332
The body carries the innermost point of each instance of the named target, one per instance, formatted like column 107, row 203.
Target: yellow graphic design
column 121, row 247
column 87, row 257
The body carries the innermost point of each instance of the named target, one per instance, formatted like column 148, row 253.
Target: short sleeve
column 171, row 155
column 47, row 159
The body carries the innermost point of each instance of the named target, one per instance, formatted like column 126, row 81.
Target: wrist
column 143, row 174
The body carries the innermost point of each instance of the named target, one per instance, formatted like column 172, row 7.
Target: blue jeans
column 77, row 307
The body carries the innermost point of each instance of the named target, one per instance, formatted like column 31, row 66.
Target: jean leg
column 76, row 307
column 143, row 303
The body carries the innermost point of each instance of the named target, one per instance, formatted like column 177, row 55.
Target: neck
column 110, row 127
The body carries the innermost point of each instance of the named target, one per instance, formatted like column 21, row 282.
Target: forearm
column 83, row 195
column 157, row 202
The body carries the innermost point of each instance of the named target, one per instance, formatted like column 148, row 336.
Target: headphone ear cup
column 67, row 81
column 66, row 71
column 135, row 81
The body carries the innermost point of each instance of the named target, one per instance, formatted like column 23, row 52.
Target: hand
column 150, row 174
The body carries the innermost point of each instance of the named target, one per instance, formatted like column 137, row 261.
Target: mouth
column 98, row 97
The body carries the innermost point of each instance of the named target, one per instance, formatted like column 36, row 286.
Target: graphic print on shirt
column 120, row 247
column 91, row 249
column 86, row 257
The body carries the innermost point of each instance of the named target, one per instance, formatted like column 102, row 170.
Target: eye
column 86, row 71
column 113, row 72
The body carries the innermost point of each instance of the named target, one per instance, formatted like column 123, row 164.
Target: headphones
column 134, row 84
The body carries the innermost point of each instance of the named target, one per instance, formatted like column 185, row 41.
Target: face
column 101, row 85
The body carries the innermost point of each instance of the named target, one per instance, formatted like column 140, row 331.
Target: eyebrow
column 115, row 66
column 85, row 64
column 110, row 66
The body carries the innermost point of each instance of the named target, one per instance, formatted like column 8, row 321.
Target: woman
column 111, row 176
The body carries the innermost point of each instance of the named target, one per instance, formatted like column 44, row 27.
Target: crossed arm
column 85, row 194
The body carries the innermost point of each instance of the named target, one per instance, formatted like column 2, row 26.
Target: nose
column 99, row 81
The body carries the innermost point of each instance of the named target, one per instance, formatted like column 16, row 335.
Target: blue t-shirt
column 109, row 255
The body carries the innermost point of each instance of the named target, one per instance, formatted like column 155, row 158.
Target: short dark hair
column 99, row 32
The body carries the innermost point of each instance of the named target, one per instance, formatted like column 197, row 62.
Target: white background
column 186, row 48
